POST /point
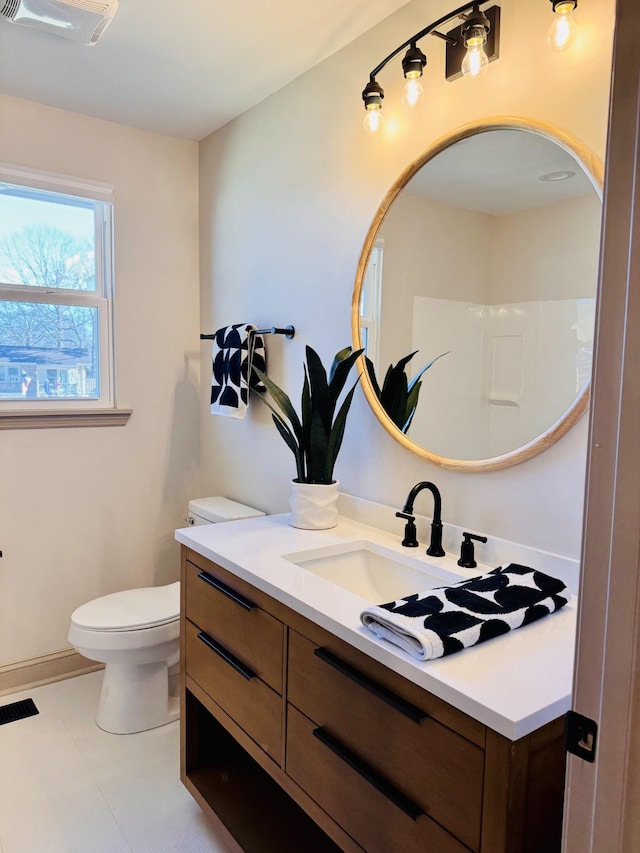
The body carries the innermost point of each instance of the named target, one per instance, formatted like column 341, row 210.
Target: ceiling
column 182, row 68
column 502, row 171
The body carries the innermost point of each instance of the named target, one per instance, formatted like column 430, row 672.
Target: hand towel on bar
column 448, row 619
column 236, row 351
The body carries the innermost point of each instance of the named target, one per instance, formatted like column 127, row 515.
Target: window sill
column 64, row 418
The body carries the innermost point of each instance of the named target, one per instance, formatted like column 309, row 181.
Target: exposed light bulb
column 372, row 119
column 412, row 92
column 413, row 64
column 372, row 95
column 563, row 29
column 475, row 60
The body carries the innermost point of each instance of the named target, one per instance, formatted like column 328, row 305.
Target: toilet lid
column 130, row 610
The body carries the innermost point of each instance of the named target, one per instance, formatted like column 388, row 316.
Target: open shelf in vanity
column 246, row 803
column 292, row 736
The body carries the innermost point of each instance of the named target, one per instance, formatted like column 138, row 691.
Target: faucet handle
column 467, row 557
column 410, row 538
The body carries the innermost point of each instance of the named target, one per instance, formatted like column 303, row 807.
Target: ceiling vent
column 82, row 21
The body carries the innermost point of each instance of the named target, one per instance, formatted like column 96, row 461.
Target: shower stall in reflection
column 512, row 370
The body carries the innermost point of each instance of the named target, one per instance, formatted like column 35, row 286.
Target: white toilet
column 136, row 634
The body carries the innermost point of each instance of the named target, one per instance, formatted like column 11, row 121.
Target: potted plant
column 315, row 435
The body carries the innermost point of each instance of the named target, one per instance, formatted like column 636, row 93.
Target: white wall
column 85, row 512
column 547, row 252
column 444, row 252
column 288, row 191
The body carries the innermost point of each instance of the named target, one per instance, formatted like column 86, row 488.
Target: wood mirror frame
column 593, row 168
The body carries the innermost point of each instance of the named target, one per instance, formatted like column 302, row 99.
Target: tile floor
column 68, row 787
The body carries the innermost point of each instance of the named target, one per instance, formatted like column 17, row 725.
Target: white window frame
column 60, row 411
column 371, row 297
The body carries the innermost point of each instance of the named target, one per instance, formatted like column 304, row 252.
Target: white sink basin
column 372, row 571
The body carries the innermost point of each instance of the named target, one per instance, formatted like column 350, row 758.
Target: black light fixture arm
column 430, row 30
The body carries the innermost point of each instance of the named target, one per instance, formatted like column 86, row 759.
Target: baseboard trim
column 34, row 672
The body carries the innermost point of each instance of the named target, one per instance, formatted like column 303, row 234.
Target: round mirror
column 475, row 295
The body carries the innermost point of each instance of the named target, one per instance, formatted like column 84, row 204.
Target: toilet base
column 135, row 698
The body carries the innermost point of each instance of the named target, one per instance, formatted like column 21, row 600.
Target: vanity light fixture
column 563, row 29
column 470, row 47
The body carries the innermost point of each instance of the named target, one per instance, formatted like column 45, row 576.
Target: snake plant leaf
column 372, row 376
column 407, row 423
column 337, row 359
column 337, row 434
column 396, row 376
column 412, row 405
column 340, row 369
column 282, row 401
column 318, row 447
column 426, row 367
column 306, row 415
column 412, row 396
column 393, row 396
column 275, row 411
column 319, row 386
column 291, row 442
column 394, row 392
column 286, row 432
column 403, row 362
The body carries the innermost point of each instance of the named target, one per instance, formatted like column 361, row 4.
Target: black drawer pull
column 232, row 660
column 226, row 590
column 372, row 776
column 414, row 713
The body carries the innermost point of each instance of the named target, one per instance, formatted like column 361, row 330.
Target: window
column 56, row 291
column 370, row 299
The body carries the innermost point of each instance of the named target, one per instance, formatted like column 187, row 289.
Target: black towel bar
column 288, row 332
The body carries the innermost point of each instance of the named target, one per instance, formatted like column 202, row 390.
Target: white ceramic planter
column 314, row 506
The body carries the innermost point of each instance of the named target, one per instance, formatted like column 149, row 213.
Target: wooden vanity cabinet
column 294, row 740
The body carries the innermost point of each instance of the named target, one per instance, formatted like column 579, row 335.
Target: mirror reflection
column 484, row 267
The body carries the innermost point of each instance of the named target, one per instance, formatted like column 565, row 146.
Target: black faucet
column 435, row 549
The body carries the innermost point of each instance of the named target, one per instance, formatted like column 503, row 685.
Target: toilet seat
column 130, row 610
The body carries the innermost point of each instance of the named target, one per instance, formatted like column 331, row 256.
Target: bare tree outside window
column 55, row 291
column 41, row 256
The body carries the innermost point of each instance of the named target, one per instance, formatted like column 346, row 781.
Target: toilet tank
column 217, row 509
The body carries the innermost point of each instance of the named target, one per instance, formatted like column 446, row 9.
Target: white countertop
column 514, row 683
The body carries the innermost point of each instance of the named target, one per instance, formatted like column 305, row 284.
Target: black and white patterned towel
column 237, row 350
column 448, row 619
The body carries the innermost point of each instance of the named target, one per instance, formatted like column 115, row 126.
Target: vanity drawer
column 222, row 610
column 232, row 684
column 431, row 764
column 372, row 811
